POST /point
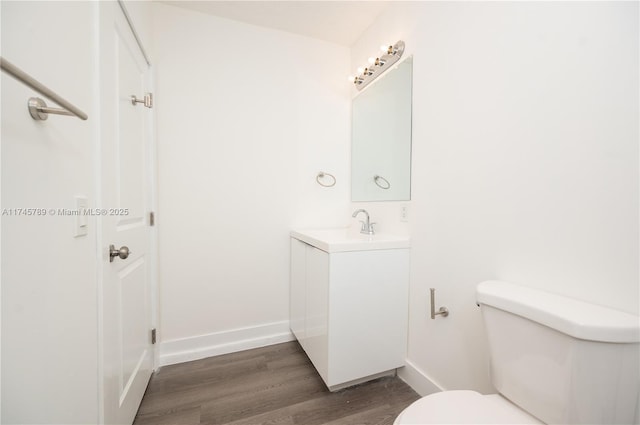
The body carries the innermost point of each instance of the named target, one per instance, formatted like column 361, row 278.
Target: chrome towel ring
column 385, row 183
column 321, row 175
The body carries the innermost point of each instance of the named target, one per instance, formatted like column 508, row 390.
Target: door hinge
column 153, row 335
column 152, row 218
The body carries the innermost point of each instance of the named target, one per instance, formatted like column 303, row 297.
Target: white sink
column 345, row 239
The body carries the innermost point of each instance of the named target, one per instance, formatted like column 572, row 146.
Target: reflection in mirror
column 381, row 138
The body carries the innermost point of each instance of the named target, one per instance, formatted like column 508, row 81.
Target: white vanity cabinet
column 349, row 304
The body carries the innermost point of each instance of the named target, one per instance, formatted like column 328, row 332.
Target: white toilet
column 554, row 360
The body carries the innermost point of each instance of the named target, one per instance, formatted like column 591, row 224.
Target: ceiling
column 340, row 22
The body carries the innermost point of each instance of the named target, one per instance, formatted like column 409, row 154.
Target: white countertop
column 346, row 239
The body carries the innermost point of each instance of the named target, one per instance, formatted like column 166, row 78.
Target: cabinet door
column 368, row 313
column 317, row 309
column 297, row 300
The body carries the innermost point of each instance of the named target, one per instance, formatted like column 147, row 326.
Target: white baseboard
column 215, row 344
column 418, row 380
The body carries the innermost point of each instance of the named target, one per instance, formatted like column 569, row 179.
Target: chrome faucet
column 367, row 227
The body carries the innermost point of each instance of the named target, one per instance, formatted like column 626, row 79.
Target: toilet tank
column 562, row 360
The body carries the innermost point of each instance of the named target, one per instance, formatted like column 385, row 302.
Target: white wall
column 525, row 163
column 49, row 317
column 246, row 117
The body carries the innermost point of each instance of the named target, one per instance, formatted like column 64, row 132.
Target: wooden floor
column 270, row 385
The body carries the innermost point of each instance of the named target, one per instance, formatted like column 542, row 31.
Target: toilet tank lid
column 573, row 317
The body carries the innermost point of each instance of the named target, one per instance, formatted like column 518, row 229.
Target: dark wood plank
column 189, row 416
column 382, row 415
column 374, row 402
column 269, row 385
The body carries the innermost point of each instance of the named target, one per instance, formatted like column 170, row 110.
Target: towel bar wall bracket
column 38, row 109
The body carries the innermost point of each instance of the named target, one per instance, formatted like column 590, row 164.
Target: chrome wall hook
column 443, row 311
column 147, row 100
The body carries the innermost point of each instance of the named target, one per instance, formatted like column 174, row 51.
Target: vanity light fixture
column 390, row 55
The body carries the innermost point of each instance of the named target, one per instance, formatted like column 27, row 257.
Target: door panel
column 132, row 193
column 133, row 320
column 126, row 294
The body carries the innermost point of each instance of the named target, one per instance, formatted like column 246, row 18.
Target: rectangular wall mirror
column 381, row 138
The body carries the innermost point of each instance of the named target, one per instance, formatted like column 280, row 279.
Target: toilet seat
column 464, row 407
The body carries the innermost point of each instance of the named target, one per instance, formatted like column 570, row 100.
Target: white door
column 126, row 195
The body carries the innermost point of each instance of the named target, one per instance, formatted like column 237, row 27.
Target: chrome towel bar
column 37, row 108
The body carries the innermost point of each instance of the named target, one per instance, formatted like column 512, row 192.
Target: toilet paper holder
column 442, row 311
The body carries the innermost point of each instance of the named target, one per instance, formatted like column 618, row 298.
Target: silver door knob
column 123, row 252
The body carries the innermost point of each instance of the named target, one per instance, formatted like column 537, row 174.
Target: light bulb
column 360, row 70
column 385, row 48
column 351, row 79
column 372, row 60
